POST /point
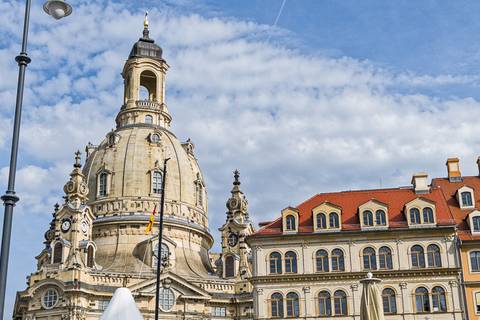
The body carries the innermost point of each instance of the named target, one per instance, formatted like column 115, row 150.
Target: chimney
column 420, row 183
column 453, row 168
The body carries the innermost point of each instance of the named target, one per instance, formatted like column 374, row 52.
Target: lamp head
column 57, row 8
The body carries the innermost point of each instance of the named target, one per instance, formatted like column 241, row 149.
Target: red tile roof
column 460, row 215
column 349, row 201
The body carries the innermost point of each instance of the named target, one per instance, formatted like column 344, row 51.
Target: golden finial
column 145, row 22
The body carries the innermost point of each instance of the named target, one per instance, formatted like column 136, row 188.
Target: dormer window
column 476, row 224
column 326, row 217
column 148, row 119
column 373, row 215
column 465, row 197
column 420, row 212
column 290, row 219
column 290, row 223
column 156, row 182
column 474, row 221
column 102, row 184
column 368, row 218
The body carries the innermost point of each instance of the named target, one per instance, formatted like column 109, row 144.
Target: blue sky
column 339, row 95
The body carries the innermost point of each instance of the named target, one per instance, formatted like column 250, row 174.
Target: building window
column 340, row 303
column 422, row 302
column 428, row 215
column 476, row 224
column 148, row 119
column 111, row 139
column 293, row 305
column 418, row 257
column 103, row 304
column 50, row 298
column 477, row 302
column 275, row 263
column 338, row 262
column 199, row 191
column 219, row 312
column 369, row 259
column 229, row 266
column 324, row 304
column 415, row 216
column 368, row 218
column 166, row 298
column 466, row 199
column 90, row 256
column 102, row 184
column 164, row 254
column 277, row 305
column 385, row 258
column 157, row 182
column 433, row 256
column 475, row 260
column 321, row 221
column 291, row 262
column 58, row 253
column 439, row 300
column 381, row 218
column 389, row 301
column 321, row 258
column 290, row 224
column 333, row 220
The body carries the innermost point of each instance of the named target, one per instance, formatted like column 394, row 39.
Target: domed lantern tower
column 122, row 178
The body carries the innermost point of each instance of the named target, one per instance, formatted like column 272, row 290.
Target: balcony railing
column 148, row 104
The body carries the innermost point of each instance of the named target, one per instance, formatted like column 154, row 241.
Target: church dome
column 146, row 47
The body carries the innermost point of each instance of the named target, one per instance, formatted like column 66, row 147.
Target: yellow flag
column 152, row 220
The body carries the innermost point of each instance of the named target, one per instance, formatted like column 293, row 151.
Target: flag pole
column 160, row 236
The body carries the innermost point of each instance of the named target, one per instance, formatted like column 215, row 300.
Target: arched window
column 369, row 259
column 291, row 262
column 476, row 223
column 275, row 263
column 433, row 256
column 199, row 190
column 321, row 258
column 439, row 300
column 57, row 253
column 422, row 301
column 428, row 215
column 148, row 119
column 157, row 182
column 276, row 302
column 321, row 221
column 148, row 85
column 385, row 258
column 290, row 223
column 334, row 221
column 475, row 260
column 90, row 256
column 389, row 301
column 338, row 261
column 466, row 199
column 293, row 305
column 102, row 184
column 380, row 218
column 340, row 303
column 418, row 257
column 164, row 254
column 414, row 216
column 324, row 304
column 229, row 266
column 368, row 218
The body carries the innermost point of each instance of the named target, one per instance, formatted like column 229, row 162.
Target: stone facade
column 97, row 240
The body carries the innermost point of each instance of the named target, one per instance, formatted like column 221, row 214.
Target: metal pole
column 10, row 198
column 160, row 236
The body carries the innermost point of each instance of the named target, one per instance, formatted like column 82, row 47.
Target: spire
column 145, row 26
column 76, row 189
column 237, row 203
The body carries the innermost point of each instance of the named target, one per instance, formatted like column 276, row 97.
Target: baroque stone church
column 97, row 242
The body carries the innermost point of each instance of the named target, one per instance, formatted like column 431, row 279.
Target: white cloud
column 294, row 124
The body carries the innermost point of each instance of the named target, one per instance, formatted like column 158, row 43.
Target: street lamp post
column 57, row 9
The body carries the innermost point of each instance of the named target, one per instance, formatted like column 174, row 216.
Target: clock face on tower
column 66, row 224
column 84, row 226
column 232, row 239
